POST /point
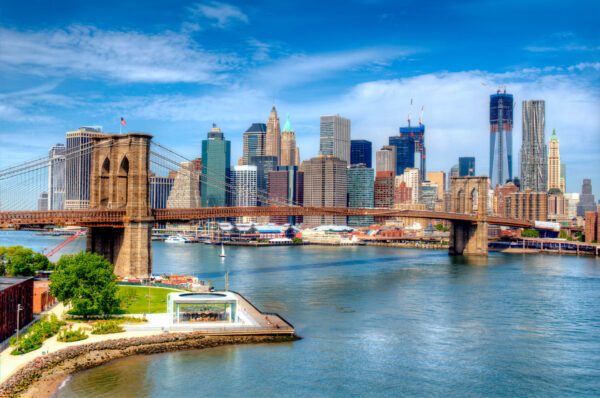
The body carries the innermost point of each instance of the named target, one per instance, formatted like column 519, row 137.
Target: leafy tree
column 18, row 261
column 530, row 233
column 86, row 281
column 562, row 234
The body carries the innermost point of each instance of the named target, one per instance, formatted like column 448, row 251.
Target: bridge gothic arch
column 469, row 237
column 105, row 182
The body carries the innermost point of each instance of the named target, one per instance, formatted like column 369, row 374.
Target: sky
column 173, row 68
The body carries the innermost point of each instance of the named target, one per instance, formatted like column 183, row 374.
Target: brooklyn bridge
column 119, row 216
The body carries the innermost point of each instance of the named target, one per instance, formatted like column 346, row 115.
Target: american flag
column 123, row 122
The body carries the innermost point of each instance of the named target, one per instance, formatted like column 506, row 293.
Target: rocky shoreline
column 42, row 376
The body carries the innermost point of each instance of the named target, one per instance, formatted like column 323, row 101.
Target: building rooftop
column 257, row 128
column 203, row 297
column 8, row 281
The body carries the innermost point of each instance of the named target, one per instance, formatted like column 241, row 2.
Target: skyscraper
column 325, row 185
column 501, row 126
column 360, row 192
column 273, row 136
column 534, row 164
column 184, row 193
column 385, row 159
column 289, row 150
column 243, row 180
column 56, row 177
column 286, row 186
column 438, row 177
column 216, row 163
column 405, row 152
column 264, row 165
column 429, row 194
column 335, row 137
column 78, row 161
column 554, row 169
column 361, row 152
column 383, row 191
column 412, row 178
column 587, row 202
column 160, row 188
column 466, row 167
column 43, row 201
column 254, row 141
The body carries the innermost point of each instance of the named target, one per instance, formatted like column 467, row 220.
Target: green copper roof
column 554, row 137
column 288, row 125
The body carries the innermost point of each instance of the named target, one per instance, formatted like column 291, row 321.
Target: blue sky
column 173, row 68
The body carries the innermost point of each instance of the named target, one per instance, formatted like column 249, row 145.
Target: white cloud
column 221, row 14
column 122, row 55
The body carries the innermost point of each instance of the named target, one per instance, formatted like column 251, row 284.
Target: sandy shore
column 43, row 376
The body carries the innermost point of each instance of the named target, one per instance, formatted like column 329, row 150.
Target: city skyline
column 369, row 81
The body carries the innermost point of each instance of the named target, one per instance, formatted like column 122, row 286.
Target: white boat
column 222, row 251
column 177, row 239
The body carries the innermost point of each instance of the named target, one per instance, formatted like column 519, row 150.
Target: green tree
column 87, row 282
column 19, row 261
column 562, row 234
column 530, row 233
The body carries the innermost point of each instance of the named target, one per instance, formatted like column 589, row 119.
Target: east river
column 377, row 321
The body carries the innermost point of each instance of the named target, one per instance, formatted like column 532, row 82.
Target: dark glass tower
column 466, row 167
column 216, row 161
column 501, row 125
column 361, row 152
column 410, row 140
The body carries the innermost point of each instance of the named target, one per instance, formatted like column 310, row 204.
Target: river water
column 378, row 321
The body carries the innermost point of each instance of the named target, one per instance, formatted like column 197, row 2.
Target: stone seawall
column 42, row 376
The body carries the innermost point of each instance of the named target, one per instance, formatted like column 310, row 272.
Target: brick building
column 592, row 226
column 383, row 191
column 15, row 291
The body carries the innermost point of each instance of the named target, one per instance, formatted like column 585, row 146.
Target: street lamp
column 19, row 309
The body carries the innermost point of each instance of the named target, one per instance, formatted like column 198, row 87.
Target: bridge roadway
column 116, row 217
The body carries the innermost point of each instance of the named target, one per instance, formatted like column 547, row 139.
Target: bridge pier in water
column 119, row 179
column 469, row 195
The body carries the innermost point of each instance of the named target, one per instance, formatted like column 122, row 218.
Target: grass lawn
column 136, row 302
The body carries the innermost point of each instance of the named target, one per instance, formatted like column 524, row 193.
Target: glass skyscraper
column 216, row 161
column 361, row 152
column 361, row 182
column 405, row 152
column 466, row 167
column 534, row 155
column 501, row 126
column 254, row 141
column 264, row 164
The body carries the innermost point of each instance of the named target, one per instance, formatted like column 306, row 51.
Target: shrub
column 107, row 327
column 69, row 335
column 37, row 333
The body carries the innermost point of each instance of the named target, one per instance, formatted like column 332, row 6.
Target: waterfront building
column 572, row 202
column 587, row 202
column 554, row 169
column 15, row 291
column 412, row 178
column 325, row 185
column 160, row 188
column 527, row 205
column 402, row 193
column 335, row 137
column 534, row 164
column 264, row 165
column 439, row 178
column 592, row 226
column 466, row 167
column 184, row 193
column 190, row 308
column 385, row 159
column 360, row 192
column 286, row 188
column 501, row 126
column 216, row 163
column 43, row 201
column 56, row 177
column 429, row 194
column 78, row 166
column 254, row 142
column 273, row 135
column 290, row 154
column 361, row 152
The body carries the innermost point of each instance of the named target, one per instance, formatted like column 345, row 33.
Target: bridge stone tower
column 469, row 196
column 119, row 180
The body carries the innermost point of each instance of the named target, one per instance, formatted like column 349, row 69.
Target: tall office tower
column 243, row 181
column 527, row 205
column 286, row 187
column 501, row 126
column 264, row 165
column 254, row 141
column 361, row 181
column 587, row 202
column 289, row 150
column 410, row 140
column 273, row 136
column 402, row 193
column 534, row 166
column 216, row 163
column 385, row 159
column 361, row 152
column 56, row 177
column 572, row 202
column 501, row 193
column 412, row 178
column 78, row 167
column 325, row 185
column 184, row 193
column 438, row 177
column 335, row 137
column 466, row 167
column 383, row 192
column 563, row 177
column 160, row 188
column 554, row 172
column 429, row 194
column 43, row 201
column 454, row 171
